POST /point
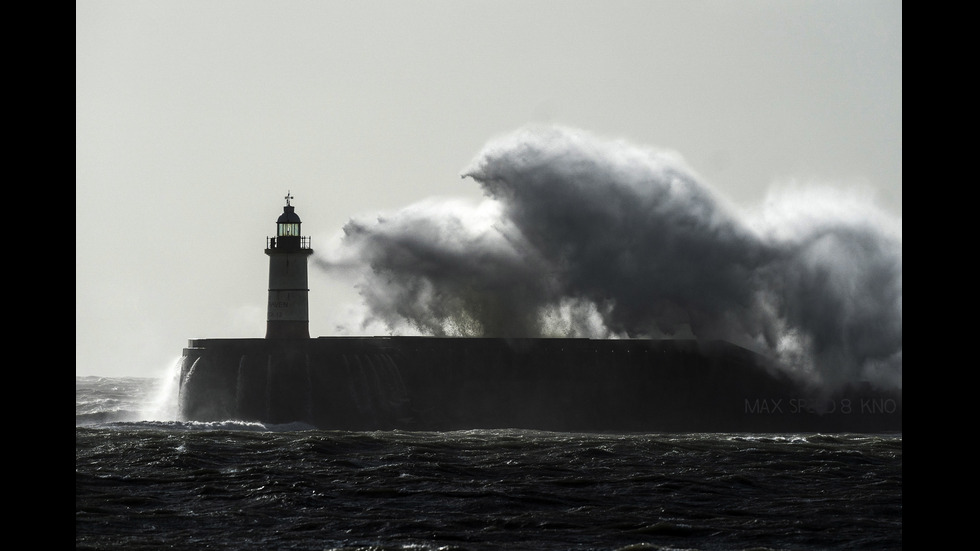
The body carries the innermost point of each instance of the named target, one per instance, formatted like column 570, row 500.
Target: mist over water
column 583, row 236
column 161, row 404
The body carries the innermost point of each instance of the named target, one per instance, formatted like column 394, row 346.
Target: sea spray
column 161, row 403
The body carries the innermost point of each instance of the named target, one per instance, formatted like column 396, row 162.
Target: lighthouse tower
column 289, row 305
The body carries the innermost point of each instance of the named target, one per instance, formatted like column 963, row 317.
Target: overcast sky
column 194, row 119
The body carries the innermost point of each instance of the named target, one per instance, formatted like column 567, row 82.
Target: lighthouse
column 289, row 306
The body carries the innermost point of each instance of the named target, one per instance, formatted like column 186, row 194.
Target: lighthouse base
column 287, row 330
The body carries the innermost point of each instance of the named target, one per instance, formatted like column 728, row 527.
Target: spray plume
column 581, row 236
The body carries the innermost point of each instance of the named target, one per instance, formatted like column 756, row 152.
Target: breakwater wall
column 431, row 383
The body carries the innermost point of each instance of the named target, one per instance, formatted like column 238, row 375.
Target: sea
column 145, row 480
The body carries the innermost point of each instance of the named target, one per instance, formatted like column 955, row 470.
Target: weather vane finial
column 288, row 197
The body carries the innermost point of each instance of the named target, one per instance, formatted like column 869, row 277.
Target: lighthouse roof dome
column 288, row 216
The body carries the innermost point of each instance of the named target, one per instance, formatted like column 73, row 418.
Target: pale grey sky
column 194, row 118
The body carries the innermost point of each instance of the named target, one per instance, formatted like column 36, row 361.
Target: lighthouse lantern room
column 289, row 310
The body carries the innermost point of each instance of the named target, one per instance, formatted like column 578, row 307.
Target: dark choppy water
column 144, row 481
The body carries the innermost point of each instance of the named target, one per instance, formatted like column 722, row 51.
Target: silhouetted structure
column 289, row 291
column 432, row 383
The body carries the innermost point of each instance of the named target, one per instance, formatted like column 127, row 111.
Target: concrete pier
column 431, row 383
